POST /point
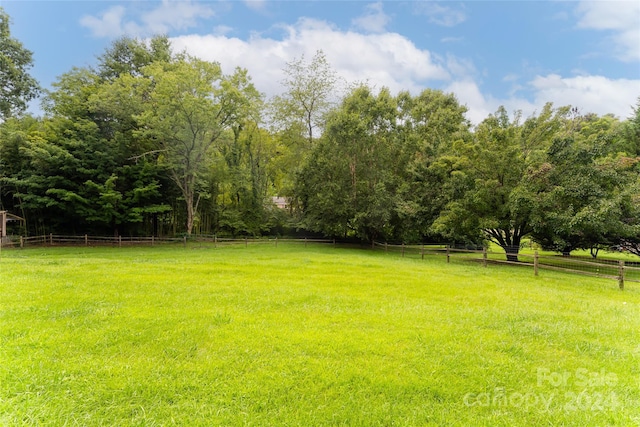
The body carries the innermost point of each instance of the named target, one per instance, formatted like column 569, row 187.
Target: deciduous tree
column 17, row 87
column 494, row 165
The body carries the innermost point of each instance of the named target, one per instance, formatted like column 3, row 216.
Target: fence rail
column 87, row 240
column 613, row 269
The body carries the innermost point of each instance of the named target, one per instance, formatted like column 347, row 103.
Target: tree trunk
column 190, row 214
column 513, row 249
column 512, row 254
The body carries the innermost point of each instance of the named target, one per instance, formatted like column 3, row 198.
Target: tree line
column 150, row 141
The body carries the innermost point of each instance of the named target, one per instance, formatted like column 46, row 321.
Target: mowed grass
column 308, row 336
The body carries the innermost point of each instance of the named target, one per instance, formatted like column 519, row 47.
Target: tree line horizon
column 153, row 142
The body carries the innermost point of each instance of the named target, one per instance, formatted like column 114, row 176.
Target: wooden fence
column 87, row 240
column 619, row 270
column 612, row 269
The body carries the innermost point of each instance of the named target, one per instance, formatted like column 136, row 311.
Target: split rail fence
column 613, row 269
column 606, row 268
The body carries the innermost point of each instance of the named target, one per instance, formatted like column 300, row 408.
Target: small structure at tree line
column 4, row 218
column 280, row 202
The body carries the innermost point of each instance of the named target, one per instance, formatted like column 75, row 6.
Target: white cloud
column 108, row 24
column 460, row 67
column 175, row 15
column 393, row 61
column 256, row 4
column 446, row 16
column 374, row 19
column 590, row 94
column 451, row 39
column 169, row 15
column 384, row 58
column 387, row 59
column 621, row 18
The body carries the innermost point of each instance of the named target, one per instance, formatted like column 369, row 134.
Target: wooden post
column 21, row 242
column 621, row 275
column 119, row 241
column 535, row 263
column 51, row 239
column 448, row 254
column 484, row 257
column 184, row 241
column 422, row 251
column 215, row 240
column 402, row 249
column 86, row 240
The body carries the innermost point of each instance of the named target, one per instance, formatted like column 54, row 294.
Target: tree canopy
column 155, row 142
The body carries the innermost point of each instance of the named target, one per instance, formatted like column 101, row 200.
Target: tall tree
column 309, row 92
column 348, row 188
column 128, row 55
column 430, row 123
column 17, row 87
column 189, row 105
column 494, row 164
column 579, row 187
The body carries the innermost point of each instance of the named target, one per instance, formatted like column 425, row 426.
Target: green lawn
column 308, row 336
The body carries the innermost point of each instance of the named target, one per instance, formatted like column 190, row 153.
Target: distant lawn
column 313, row 336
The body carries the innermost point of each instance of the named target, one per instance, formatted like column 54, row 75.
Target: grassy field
column 308, row 336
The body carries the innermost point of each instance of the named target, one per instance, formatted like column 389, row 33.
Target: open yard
column 308, row 336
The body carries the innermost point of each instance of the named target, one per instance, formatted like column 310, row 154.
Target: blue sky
column 519, row 54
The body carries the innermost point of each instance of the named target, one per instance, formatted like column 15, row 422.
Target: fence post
column 402, row 249
column 422, row 251
column 621, row 275
column 448, row 254
column 484, row 257
column 51, row 239
column 215, row 240
column 119, row 241
column 21, row 242
column 305, row 242
column 184, row 241
column 535, row 263
column 86, row 240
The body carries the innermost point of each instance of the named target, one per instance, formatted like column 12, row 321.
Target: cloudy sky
column 519, row 54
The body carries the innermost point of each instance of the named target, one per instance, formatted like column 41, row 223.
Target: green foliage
column 348, row 186
column 151, row 142
column 430, row 124
column 309, row 89
column 494, row 165
column 376, row 173
column 17, row 87
column 581, row 187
